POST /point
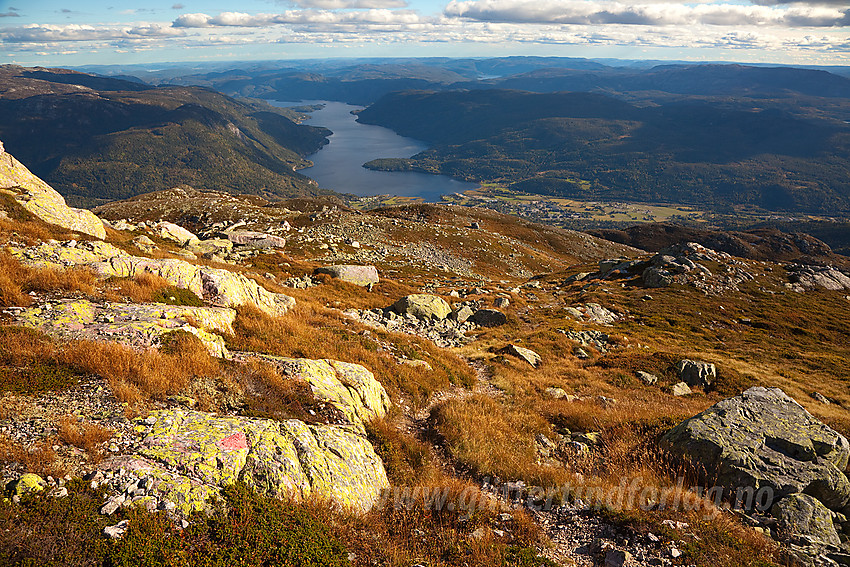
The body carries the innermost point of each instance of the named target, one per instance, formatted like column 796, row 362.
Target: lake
column 339, row 165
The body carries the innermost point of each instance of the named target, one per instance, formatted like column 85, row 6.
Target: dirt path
column 577, row 536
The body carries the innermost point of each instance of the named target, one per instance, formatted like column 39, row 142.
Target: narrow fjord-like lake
column 339, row 165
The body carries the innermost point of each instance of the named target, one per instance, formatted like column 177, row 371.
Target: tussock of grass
column 150, row 288
column 87, row 436
column 270, row 395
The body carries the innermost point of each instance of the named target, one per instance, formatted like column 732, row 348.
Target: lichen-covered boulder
column 218, row 287
column 43, row 201
column 229, row 289
column 144, row 244
column 801, row 514
column 357, row 275
column 350, row 388
column 763, row 438
column 211, row 246
column 175, row 233
column 27, row 482
column 137, row 324
column 423, row 306
column 189, row 456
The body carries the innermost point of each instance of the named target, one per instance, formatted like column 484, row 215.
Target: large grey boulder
column 696, row 373
column 763, row 438
column 422, row 306
column 801, row 514
column 489, row 318
column 357, row 275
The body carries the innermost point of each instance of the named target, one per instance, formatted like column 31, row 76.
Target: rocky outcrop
column 137, row 324
column 43, row 201
column 422, row 306
column 763, row 438
column 357, row 275
column 186, row 457
column 805, row 278
column 350, row 388
column 593, row 313
column 680, row 264
column 696, row 373
column 221, row 288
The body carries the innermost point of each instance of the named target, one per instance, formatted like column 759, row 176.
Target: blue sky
column 84, row 32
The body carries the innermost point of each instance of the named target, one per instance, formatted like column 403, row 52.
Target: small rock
column 680, row 389
column 117, row 530
column 28, row 482
column 696, row 373
column 820, row 397
column 501, row 302
column 617, row 558
column 557, row 393
column 526, row 354
column 110, row 507
column 647, row 378
column 581, row 354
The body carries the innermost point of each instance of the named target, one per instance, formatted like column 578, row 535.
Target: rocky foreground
column 355, row 355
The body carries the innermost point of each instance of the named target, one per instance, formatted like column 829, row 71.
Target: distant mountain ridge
column 97, row 139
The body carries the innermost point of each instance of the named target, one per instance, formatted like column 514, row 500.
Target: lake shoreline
column 340, row 164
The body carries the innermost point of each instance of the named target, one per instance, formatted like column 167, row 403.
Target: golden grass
column 17, row 280
column 38, row 457
column 136, row 376
column 311, row 331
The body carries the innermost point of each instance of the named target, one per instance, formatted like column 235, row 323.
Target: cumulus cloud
column 603, row 12
column 43, row 33
column 241, row 19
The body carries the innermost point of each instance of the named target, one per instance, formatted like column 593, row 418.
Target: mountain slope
column 97, row 139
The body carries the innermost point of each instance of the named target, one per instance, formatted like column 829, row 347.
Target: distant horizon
column 59, row 34
column 613, row 62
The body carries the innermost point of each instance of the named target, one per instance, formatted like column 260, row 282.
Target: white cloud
column 240, row 19
column 40, row 33
column 351, row 4
column 606, row 12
